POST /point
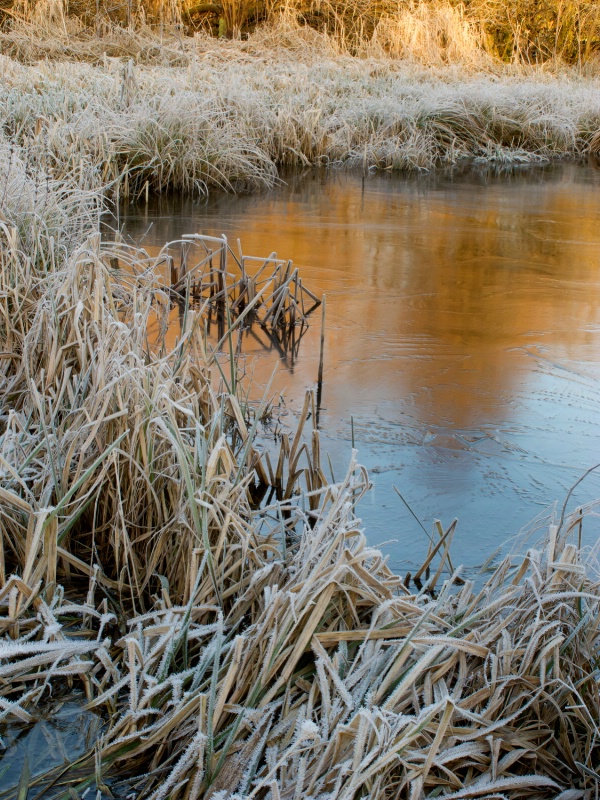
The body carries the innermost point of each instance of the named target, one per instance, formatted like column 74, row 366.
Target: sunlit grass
column 510, row 30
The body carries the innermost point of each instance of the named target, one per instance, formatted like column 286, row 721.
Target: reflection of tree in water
column 435, row 285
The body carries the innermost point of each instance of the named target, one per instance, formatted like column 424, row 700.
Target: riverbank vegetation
column 221, row 609
column 149, row 107
column 210, row 113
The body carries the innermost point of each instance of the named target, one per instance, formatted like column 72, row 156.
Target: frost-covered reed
column 239, row 651
column 231, row 114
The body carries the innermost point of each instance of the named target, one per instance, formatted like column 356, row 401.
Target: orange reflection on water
column 455, row 304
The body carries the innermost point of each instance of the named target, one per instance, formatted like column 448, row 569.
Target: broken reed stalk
column 274, row 291
column 237, row 651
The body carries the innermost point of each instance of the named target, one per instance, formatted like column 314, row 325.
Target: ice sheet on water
column 60, row 735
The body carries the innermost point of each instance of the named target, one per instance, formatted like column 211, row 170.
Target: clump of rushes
column 239, row 111
column 235, row 651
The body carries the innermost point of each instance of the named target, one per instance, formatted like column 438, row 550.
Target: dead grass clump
column 111, row 128
column 426, row 33
column 131, row 456
column 237, row 112
column 477, row 33
column 29, row 42
column 341, row 684
column 431, row 34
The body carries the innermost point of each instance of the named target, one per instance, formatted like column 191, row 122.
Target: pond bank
column 232, row 114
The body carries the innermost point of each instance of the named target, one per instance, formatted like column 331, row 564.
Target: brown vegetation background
column 525, row 30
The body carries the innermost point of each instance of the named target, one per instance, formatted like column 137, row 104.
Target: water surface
column 463, row 335
column 57, row 738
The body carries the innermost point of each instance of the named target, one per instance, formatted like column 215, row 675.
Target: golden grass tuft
column 522, row 31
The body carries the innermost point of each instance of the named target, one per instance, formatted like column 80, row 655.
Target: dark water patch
column 46, row 747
